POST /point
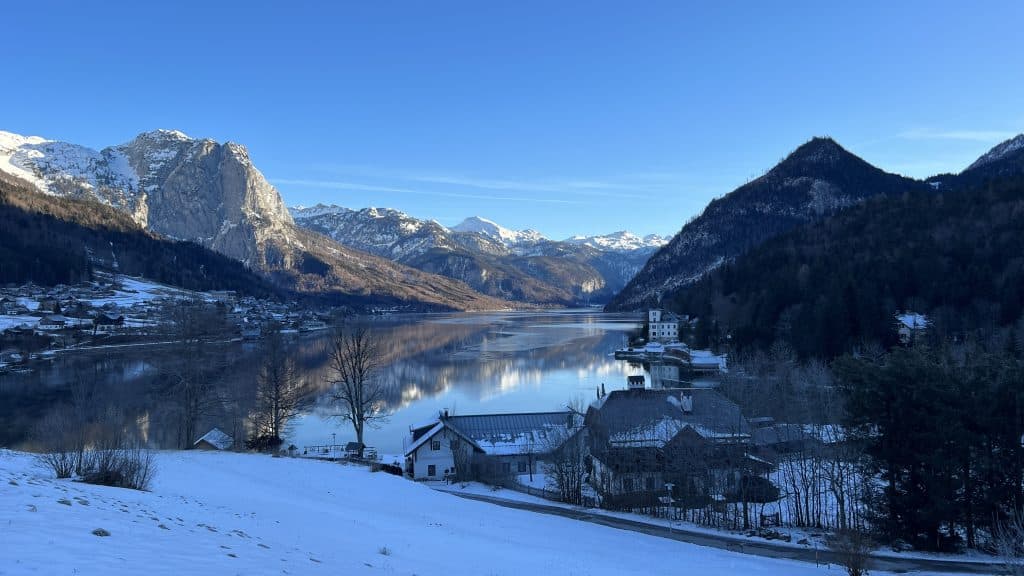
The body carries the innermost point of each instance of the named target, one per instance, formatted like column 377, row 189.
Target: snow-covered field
column 216, row 513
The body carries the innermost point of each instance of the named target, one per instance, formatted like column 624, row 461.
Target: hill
column 221, row 513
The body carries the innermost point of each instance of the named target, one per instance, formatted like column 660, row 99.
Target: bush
column 97, row 450
column 853, row 549
column 127, row 467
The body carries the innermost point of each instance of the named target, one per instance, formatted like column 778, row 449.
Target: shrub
column 853, row 549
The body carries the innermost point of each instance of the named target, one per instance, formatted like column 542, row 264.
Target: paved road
column 738, row 544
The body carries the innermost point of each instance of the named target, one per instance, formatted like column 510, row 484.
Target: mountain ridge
column 818, row 178
column 212, row 194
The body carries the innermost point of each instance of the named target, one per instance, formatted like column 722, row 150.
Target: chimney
column 444, row 416
column 686, row 403
column 635, row 382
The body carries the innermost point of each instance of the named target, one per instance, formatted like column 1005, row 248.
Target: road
column 737, row 544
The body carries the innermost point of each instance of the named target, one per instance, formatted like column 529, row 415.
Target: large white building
column 662, row 326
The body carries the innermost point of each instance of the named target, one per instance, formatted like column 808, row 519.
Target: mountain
column 51, row 240
column 826, row 287
column 818, row 179
column 517, row 266
column 487, row 228
column 212, row 194
column 622, row 241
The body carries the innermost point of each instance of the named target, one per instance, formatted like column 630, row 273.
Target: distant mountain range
column 209, row 193
column 504, row 263
column 178, row 188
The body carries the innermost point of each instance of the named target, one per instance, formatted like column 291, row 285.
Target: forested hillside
column 829, row 287
column 50, row 240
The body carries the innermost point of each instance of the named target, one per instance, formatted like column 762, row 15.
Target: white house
column 488, row 446
column 662, row 326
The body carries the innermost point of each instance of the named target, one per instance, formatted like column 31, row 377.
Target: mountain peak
column 818, row 150
column 494, row 230
column 165, row 134
column 999, row 151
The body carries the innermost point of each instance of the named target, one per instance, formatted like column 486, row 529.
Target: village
column 675, row 447
column 114, row 310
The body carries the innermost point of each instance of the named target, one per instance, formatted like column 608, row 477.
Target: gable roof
column 424, row 437
column 498, row 434
column 216, row 438
column 653, row 417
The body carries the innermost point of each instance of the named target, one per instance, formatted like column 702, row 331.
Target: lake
column 461, row 362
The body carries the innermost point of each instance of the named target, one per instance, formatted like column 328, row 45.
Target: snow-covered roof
column 502, row 434
column 216, row 438
column 424, row 438
column 913, row 320
column 638, row 418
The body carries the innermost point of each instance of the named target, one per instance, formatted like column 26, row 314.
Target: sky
column 569, row 118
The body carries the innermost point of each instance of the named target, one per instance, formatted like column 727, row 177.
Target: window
column 431, row 470
column 522, row 467
column 435, row 444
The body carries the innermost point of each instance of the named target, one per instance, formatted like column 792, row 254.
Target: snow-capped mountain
column 622, row 241
column 491, row 229
column 212, row 193
column 489, row 257
column 185, row 188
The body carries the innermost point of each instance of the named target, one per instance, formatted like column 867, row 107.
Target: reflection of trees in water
column 430, row 371
column 420, row 358
column 130, row 381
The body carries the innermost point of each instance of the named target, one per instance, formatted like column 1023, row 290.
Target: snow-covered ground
column 217, row 513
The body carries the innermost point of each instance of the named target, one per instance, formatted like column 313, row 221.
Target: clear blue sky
column 567, row 117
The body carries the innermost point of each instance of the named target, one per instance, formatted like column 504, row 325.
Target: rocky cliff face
column 816, row 180
column 212, row 194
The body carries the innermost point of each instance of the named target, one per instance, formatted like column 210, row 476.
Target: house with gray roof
column 696, row 439
column 486, row 446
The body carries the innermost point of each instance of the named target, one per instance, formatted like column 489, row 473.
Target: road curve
column 737, row 544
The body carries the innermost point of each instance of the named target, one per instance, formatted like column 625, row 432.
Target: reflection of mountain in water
column 476, row 357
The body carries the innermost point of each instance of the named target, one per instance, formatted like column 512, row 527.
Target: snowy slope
column 61, row 168
column 219, row 513
column 621, row 241
column 493, row 230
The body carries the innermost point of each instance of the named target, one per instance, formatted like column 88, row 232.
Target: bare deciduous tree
column 356, row 389
column 280, row 393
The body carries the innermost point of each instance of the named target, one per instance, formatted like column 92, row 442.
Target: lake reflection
column 466, row 363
